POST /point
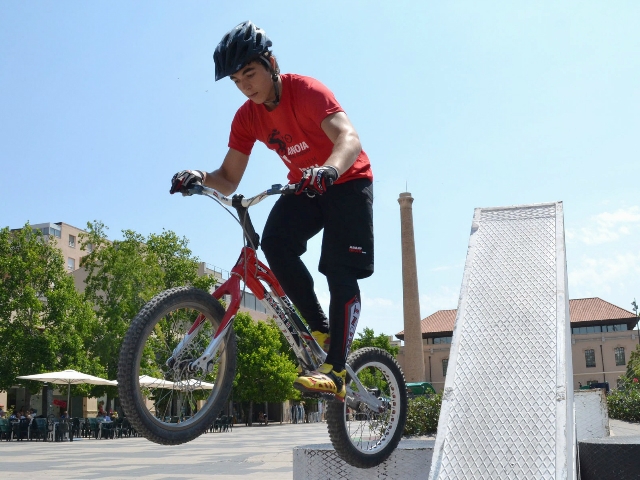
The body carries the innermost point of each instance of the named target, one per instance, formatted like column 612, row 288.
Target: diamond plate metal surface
column 411, row 460
column 610, row 458
column 506, row 411
column 592, row 414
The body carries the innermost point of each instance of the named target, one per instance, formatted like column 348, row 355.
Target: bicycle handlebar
column 276, row 189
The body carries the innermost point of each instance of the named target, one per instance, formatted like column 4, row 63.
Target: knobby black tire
column 345, row 443
column 142, row 326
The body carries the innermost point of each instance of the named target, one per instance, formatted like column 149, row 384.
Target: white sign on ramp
column 507, row 407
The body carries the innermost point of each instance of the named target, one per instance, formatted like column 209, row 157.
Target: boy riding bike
column 300, row 119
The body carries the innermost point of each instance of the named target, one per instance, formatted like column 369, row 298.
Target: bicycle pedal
column 330, row 397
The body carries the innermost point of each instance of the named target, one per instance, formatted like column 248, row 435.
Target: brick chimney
column 413, row 352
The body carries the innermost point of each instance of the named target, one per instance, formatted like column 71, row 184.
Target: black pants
column 345, row 213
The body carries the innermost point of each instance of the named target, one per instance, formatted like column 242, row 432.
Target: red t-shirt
column 293, row 130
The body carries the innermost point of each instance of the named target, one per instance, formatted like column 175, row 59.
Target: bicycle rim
column 172, row 403
column 361, row 436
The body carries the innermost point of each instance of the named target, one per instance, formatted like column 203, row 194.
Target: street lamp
column 635, row 310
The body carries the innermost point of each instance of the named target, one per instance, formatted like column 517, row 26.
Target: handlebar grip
column 195, row 190
column 289, row 189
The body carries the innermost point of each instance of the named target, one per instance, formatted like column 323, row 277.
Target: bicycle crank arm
column 362, row 395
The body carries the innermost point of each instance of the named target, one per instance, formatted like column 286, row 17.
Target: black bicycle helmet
column 238, row 47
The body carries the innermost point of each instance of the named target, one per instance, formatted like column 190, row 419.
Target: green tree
column 368, row 338
column 45, row 324
column 125, row 274
column 633, row 366
column 264, row 374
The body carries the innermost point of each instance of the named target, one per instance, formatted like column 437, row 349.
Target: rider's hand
column 317, row 179
column 184, row 180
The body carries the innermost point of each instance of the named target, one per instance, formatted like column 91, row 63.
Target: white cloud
column 607, row 227
column 604, row 276
column 445, row 298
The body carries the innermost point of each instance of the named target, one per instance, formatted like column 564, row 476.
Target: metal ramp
column 507, row 406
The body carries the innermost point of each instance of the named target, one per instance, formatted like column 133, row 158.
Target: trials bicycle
column 179, row 355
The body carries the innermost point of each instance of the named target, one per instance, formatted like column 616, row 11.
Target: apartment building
column 67, row 238
column 602, row 339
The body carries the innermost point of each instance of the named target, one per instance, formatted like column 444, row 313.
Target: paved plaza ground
column 256, row 452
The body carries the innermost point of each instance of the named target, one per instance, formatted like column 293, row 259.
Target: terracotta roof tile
column 595, row 309
column 581, row 310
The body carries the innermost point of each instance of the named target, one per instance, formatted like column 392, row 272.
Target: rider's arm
column 346, row 143
column 227, row 178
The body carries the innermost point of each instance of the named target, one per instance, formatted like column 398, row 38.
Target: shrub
column 624, row 403
column 423, row 414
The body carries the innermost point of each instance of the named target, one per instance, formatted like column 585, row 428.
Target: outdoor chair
column 229, row 423
column 61, row 430
column 94, row 427
column 21, row 429
column 5, row 429
column 74, row 428
column 38, row 429
column 126, row 428
column 117, row 427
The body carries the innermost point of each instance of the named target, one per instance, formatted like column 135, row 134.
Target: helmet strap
column 275, row 77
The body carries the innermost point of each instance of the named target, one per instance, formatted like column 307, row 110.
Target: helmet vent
column 247, row 34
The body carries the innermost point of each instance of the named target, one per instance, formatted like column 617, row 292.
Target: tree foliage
column 125, row 274
column 423, row 415
column 45, row 324
column 633, row 366
column 368, row 338
column 264, row 374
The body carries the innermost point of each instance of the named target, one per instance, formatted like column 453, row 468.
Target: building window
column 442, row 339
column 597, row 329
column 72, row 241
column 445, row 364
column 71, row 264
column 590, row 357
column 620, row 356
column 89, row 247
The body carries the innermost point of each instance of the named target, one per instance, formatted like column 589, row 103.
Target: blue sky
column 464, row 104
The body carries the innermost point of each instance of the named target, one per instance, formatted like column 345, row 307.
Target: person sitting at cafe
column 2, row 412
column 17, row 415
column 101, row 412
column 64, row 415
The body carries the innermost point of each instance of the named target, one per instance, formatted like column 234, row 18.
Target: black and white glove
column 317, row 179
column 184, row 180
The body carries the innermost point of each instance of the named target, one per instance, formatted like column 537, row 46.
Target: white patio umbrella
column 68, row 377
column 152, row 382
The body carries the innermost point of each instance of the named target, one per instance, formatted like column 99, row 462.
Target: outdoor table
column 107, row 426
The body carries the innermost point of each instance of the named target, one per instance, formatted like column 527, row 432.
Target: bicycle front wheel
column 361, row 436
column 166, row 401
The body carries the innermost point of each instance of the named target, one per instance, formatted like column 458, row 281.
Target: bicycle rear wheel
column 361, row 436
column 172, row 404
